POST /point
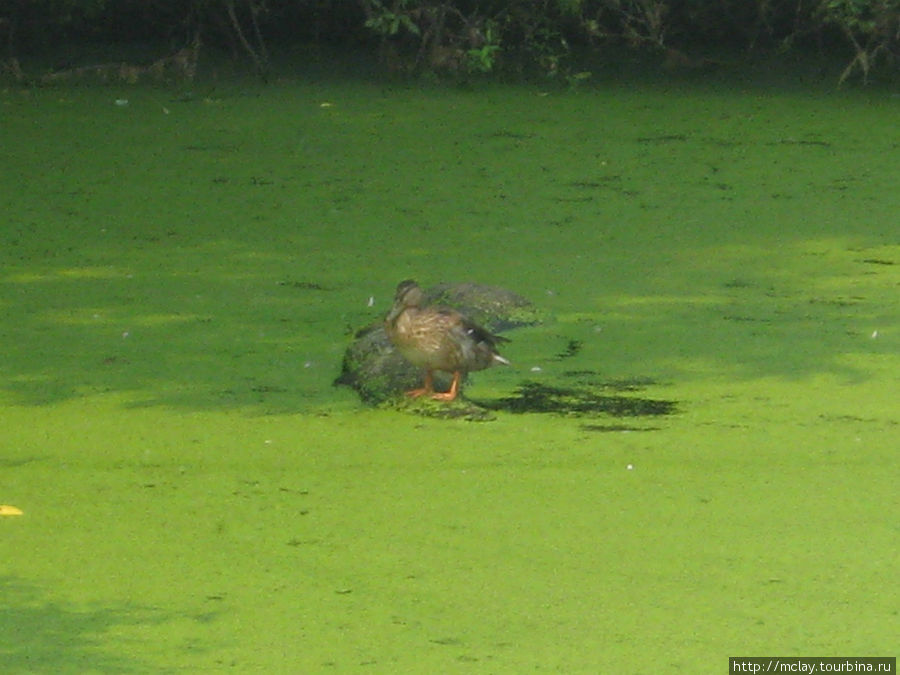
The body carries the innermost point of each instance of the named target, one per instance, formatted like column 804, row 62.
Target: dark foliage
column 469, row 36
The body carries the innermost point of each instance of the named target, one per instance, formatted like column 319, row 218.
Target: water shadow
column 38, row 635
column 579, row 401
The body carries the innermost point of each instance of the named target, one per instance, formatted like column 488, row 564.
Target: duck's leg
column 452, row 392
column 427, row 388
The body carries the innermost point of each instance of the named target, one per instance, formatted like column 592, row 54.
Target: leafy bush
column 871, row 26
column 472, row 36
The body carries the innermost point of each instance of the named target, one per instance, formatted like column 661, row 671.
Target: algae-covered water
column 182, row 273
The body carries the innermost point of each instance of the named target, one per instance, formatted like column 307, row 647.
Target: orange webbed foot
column 444, row 396
column 427, row 387
column 450, row 394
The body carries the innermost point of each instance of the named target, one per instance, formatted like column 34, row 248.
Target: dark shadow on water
column 38, row 635
column 589, row 397
column 579, row 401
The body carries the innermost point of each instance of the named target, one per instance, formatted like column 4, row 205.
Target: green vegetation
column 179, row 278
column 525, row 37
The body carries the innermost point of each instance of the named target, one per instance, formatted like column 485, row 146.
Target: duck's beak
column 396, row 311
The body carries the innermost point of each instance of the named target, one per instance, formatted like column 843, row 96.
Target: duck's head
column 408, row 295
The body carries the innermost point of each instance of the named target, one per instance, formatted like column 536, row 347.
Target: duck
column 439, row 338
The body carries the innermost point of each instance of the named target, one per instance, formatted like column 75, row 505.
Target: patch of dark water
column 607, row 428
column 665, row 138
column 305, row 285
column 572, row 348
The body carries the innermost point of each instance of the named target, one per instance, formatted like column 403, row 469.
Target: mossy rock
column 376, row 370
column 497, row 309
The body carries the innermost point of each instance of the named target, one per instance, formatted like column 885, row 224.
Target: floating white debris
column 121, row 102
column 535, row 369
column 874, row 334
column 371, row 302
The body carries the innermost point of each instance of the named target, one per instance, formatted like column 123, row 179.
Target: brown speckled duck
column 438, row 338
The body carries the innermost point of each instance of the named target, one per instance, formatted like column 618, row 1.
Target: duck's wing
column 479, row 333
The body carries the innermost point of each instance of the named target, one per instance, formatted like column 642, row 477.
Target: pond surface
column 181, row 275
